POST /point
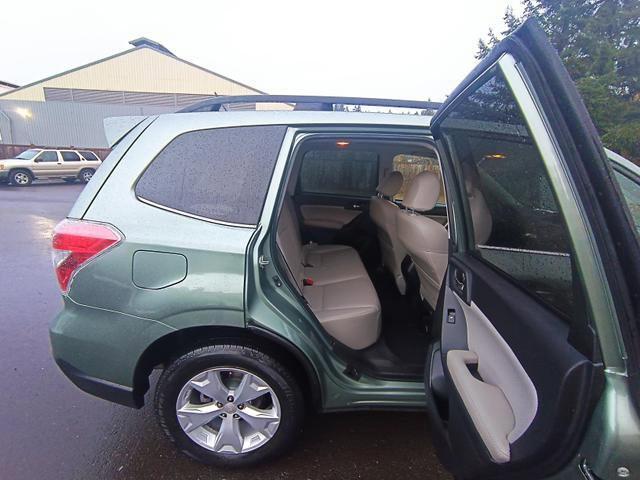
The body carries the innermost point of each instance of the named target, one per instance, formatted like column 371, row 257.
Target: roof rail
column 307, row 102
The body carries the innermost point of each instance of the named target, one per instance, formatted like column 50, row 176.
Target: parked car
column 263, row 262
column 39, row 163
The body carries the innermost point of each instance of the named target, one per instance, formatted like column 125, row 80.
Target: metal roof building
column 67, row 109
column 6, row 86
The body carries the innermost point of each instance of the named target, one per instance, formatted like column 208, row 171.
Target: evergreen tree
column 599, row 42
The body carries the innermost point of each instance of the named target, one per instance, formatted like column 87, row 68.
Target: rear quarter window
column 219, row 174
column 89, row 156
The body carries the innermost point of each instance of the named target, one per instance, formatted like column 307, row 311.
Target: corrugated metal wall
column 80, row 95
column 63, row 123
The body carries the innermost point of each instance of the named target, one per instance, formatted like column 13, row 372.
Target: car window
column 48, row 156
column 89, row 155
column 630, row 188
column 410, row 166
column 28, row 154
column 220, row 174
column 516, row 223
column 70, row 156
column 339, row 172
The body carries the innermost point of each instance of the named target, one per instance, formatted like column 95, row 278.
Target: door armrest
column 486, row 404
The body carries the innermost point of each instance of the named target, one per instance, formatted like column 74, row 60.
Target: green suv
column 481, row 265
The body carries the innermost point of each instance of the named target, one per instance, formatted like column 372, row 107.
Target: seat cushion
column 348, row 310
column 331, row 263
column 329, row 255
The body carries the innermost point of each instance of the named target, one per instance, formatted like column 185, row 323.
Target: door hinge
column 263, row 262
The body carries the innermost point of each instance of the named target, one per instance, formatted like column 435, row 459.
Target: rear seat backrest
column 290, row 242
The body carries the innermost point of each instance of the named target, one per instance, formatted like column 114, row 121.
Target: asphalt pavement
column 51, row 430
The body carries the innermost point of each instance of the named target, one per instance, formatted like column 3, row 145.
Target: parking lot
column 50, row 429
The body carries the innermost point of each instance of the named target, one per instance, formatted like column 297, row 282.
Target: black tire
column 85, row 174
column 248, row 358
column 70, row 180
column 20, row 177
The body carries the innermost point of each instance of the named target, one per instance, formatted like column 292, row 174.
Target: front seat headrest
column 423, row 192
column 391, row 184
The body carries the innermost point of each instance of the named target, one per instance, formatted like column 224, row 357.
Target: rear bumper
column 110, row 391
column 100, row 350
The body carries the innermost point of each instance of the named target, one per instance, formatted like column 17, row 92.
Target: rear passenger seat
column 342, row 296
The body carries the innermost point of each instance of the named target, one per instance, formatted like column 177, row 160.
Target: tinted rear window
column 89, row 155
column 222, row 174
column 339, row 172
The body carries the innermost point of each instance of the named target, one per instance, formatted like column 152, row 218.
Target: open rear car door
column 526, row 315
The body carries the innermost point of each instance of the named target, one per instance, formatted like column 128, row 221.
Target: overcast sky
column 392, row 49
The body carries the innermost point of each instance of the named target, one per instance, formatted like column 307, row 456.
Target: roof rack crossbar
column 311, row 102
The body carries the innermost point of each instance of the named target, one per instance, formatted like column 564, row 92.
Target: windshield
column 28, row 154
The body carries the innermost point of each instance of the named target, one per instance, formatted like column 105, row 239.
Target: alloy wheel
column 21, row 178
column 228, row 410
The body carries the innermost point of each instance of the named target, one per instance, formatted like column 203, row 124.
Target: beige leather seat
column 425, row 240
column 383, row 213
column 342, row 296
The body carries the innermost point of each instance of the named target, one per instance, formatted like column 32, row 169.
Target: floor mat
column 403, row 322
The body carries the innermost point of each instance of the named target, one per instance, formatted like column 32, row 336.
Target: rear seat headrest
column 391, row 184
column 423, row 192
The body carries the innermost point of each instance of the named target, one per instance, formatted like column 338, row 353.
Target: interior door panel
column 324, row 218
column 501, row 368
column 519, row 388
column 332, row 217
column 488, row 407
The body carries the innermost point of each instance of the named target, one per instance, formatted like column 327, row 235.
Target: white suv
column 36, row 163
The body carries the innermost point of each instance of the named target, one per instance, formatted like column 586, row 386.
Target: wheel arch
column 22, row 169
column 176, row 343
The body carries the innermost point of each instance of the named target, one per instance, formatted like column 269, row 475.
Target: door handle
column 460, row 280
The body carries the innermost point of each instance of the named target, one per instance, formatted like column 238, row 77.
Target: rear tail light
column 75, row 242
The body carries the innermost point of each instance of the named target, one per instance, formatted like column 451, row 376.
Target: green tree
column 599, row 42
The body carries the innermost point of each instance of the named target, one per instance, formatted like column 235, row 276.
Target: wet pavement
column 50, row 429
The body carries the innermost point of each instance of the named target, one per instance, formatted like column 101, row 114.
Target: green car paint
column 173, row 273
column 219, row 289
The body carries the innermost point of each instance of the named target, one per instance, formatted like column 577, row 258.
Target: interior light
column 342, row 143
column 495, row 156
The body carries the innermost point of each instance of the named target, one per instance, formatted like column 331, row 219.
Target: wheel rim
column 86, row 176
column 228, row 410
column 21, row 178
